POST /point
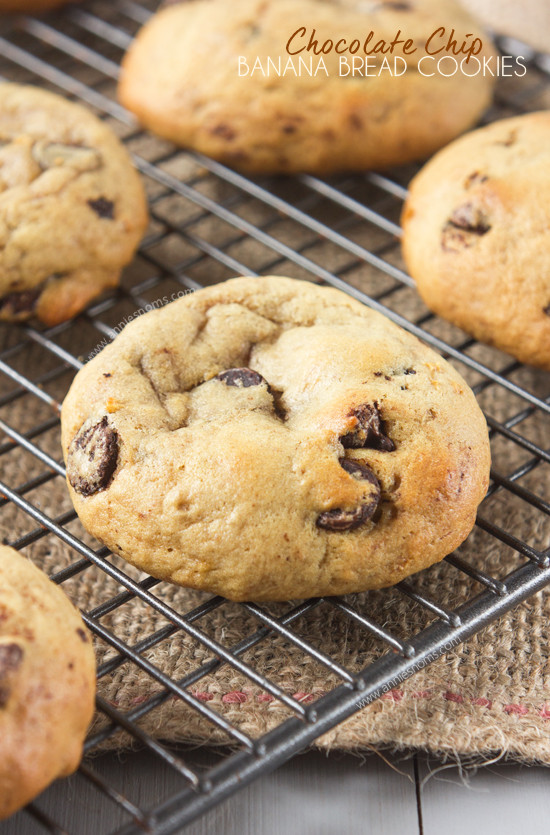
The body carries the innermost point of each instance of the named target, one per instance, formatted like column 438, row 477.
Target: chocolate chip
column 82, row 635
column 343, row 520
column 409, row 371
column 510, row 139
column 103, row 207
column 347, row 520
column 23, row 302
column 471, row 218
column 546, row 309
column 368, row 432
column 465, row 226
column 250, row 31
column 92, row 458
column 359, row 469
column 475, row 178
column 11, row 656
column 397, row 7
column 224, row 131
column 241, row 377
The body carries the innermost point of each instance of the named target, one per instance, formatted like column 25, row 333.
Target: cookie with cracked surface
column 476, row 235
column 47, row 682
column 72, row 206
column 180, row 77
column 266, row 438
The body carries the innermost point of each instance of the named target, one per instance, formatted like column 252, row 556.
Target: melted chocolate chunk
column 103, row 207
column 510, row 139
column 360, row 470
column 546, row 309
column 92, row 458
column 11, row 656
column 82, row 635
column 344, row 520
column 224, row 132
column 241, row 377
column 369, row 431
column 22, row 302
column 347, row 520
column 470, row 218
column 475, row 178
column 466, row 225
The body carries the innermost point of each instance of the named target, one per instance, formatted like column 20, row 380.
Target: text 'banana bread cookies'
column 476, row 235
column 72, row 206
column 181, row 79
column 47, row 682
column 268, row 439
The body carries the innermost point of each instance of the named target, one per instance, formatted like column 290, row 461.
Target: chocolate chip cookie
column 47, row 682
column 476, row 235
column 181, row 78
column 72, row 207
column 270, row 439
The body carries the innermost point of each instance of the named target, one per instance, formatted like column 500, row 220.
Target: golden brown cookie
column 72, row 206
column 476, row 235
column 47, row 682
column 270, row 439
column 181, row 78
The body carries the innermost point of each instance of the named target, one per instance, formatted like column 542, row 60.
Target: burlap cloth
column 490, row 696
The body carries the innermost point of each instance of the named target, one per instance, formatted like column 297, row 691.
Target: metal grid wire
column 209, row 223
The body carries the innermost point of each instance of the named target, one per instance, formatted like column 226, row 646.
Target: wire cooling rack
column 209, row 223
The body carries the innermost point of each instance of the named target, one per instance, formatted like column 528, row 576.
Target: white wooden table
column 324, row 795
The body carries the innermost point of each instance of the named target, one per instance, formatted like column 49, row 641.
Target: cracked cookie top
column 72, row 207
column 270, row 439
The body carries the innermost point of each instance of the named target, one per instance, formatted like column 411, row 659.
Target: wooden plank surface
column 311, row 794
column 324, row 795
column 508, row 799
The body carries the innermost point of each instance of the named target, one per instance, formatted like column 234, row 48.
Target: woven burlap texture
column 490, row 696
